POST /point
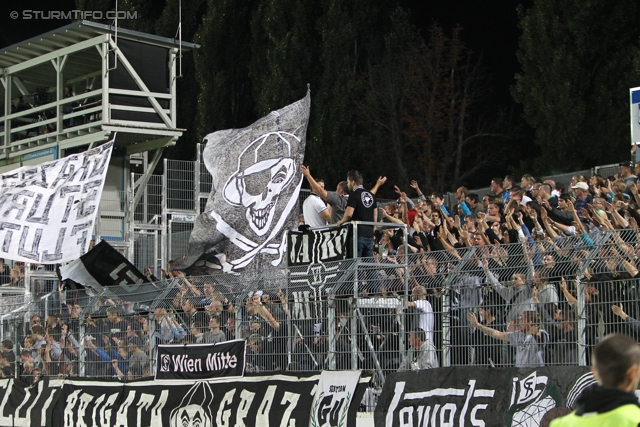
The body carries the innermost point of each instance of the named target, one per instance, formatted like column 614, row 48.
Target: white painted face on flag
column 254, row 192
column 265, row 170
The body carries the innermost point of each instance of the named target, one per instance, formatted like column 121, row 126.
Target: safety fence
column 547, row 303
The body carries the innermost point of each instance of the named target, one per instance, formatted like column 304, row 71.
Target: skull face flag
column 254, row 194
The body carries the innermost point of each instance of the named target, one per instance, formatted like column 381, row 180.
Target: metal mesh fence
column 149, row 210
column 180, row 191
column 112, row 215
column 523, row 304
column 179, row 232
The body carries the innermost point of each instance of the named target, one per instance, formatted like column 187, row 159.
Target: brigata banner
column 254, row 400
column 201, row 361
column 475, row 396
column 276, row 400
column 49, row 210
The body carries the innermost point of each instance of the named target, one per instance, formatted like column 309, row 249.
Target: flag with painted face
column 254, row 194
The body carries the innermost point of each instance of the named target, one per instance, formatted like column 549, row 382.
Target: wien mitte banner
column 201, row 361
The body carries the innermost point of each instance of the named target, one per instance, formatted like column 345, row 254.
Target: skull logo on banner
column 254, row 195
column 194, row 409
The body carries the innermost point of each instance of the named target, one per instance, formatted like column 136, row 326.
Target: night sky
column 490, row 29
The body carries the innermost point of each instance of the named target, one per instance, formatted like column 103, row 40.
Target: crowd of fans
column 490, row 281
column 508, row 267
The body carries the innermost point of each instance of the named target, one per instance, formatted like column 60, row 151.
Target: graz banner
column 332, row 403
column 283, row 400
column 316, row 246
column 201, row 361
column 256, row 180
column 475, row 396
column 49, row 210
column 278, row 400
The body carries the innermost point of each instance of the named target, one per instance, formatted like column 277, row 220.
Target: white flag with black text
column 48, row 211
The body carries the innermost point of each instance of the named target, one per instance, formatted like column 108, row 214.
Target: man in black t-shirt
column 361, row 207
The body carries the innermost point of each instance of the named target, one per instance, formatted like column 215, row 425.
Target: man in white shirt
column 315, row 210
column 421, row 303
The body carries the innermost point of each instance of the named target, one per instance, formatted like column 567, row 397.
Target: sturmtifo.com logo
column 75, row 15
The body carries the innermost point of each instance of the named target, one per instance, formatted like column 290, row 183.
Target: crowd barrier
column 354, row 314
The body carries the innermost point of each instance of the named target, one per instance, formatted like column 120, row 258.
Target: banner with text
column 49, row 210
column 316, row 246
column 475, row 396
column 336, row 391
column 254, row 400
column 201, row 361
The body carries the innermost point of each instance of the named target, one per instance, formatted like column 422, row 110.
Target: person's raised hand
column 619, row 311
column 473, row 320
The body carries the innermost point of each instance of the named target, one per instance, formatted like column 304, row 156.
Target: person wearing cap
column 626, row 173
column 583, row 197
column 612, row 402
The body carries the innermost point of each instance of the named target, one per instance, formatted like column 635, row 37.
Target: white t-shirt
column 548, row 295
column 311, row 209
column 426, row 317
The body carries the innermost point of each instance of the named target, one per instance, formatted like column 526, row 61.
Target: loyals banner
column 256, row 180
column 49, row 210
column 201, row 361
column 316, row 246
column 474, row 396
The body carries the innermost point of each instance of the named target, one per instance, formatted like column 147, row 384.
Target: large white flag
column 47, row 212
column 255, row 186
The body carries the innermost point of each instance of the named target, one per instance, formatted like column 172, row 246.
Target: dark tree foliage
column 225, row 97
column 256, row 56
column 450, row 130
column 579, row 59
